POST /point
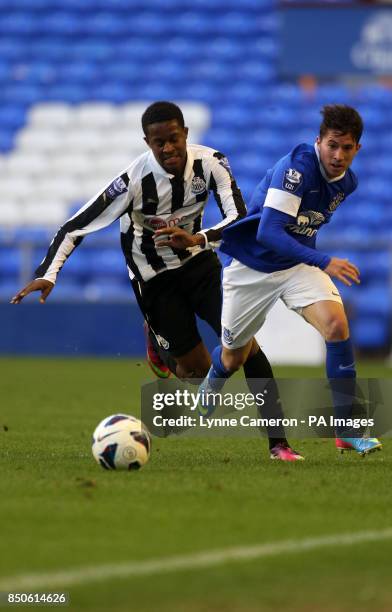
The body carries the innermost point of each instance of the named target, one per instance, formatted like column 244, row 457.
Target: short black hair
column 343, row 119
column 162, row 111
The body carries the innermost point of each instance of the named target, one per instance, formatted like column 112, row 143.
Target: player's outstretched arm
column 40, row 284
column 343, row 270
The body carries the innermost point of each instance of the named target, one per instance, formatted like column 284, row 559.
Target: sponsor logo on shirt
column 310, row 217
column 157, row 223
column 116, row 188
column 198, row 185
column 307, row 222
column 292, row 180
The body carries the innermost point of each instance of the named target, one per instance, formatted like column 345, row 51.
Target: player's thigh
column 248, row 295
column 203, row 288
column 329, row 318
column 170, row 316
column 305, row 285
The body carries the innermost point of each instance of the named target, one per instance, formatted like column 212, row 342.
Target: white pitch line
column 201, row 560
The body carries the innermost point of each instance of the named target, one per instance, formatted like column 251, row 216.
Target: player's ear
column 318, row 141
column 186, row 130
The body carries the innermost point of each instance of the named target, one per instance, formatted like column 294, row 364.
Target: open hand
column 39, row 284
column 344, row 270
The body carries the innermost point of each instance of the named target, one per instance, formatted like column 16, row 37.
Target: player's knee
column 336, row 329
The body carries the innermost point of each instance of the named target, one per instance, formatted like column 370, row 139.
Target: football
column 121, row 442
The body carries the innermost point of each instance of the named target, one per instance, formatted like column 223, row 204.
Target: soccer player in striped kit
column 160, row 199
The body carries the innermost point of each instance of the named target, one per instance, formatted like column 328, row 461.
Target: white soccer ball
column 121, row 442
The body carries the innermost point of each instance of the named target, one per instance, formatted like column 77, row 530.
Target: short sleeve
column 286, row 187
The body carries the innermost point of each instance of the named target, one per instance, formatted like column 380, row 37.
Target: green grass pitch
column 59, row 510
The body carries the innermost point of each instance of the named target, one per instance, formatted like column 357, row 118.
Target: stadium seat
column 97, row 116
column 51, row 212
column 13, row 49
column 260, row 72
column 86, row 72
column 234, row 116
column 56, row 115
column 60, row 23
column 91, row 49
column 10, row 262
column 374, row 299
column 12, row 117
column 37, row 140
column 16, row 24
column 371, row 333
column 108, row 290
column 71, row 74
column 106, row 24
column 252, row 164
column 229, row 142
column 20, row 93
column 71, row 92
column 374, row 265
column 11, row 214
column 27, row 163
column 38, row 73
column 68, row 290
column 68, row 165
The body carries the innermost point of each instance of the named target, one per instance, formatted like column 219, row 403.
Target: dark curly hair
column 161, row 111
column 343, row 119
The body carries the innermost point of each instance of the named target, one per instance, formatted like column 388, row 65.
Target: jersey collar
column 324, row 174
column 157, row 168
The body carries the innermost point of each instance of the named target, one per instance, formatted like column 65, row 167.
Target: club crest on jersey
column 116, row 188
column 292, row 180
column 334, row 203
column 228, row 336
column 198, row 185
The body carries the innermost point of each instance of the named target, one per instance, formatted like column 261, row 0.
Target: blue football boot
column 363, row 446
column 209, row 394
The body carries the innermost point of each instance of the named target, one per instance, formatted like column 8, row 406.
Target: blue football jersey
column 297, row 186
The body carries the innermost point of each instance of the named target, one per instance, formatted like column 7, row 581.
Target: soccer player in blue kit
column 274, row 256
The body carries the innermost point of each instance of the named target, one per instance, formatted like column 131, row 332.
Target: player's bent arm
column 271, row 234
column 99, row 212
column 228, row 197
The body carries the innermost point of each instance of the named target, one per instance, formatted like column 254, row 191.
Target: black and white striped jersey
column 146, row 198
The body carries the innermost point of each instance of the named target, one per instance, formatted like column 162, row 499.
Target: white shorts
column 248, row 296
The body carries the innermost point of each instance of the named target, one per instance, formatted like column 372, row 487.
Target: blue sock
column 218, row 369
column 341, row 372
column 218, row 374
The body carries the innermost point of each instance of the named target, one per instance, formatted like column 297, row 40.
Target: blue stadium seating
column 370, row 333
column 222, row 53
